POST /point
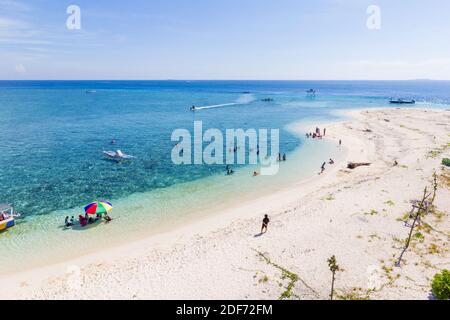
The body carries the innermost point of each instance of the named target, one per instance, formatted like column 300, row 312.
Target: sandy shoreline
column 351, row 214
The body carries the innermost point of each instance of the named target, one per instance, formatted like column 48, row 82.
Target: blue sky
column 225, row 39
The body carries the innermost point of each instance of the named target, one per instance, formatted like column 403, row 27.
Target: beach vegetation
column 404, row 217
column 441, row 285
column 389, row 273
column 334, row 267
column 390, row 203
column 372, row 212
column 434, row 249
column 436, row 152
column 438, row 214
column 433, row 154
column 419, row 236
column 399, row 241
column 285, row 274
column 435, row 188
column 264, row 279
column 387, row 270
column 427, row 264
column 445, row 178
column 425, row 227
column 446, row 162
column 354, row 294
column 420, row 209
column 374, row 236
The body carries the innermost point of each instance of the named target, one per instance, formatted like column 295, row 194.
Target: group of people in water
column 317, row 134
column 330, row 162
column 86, row 220
column 280, row 158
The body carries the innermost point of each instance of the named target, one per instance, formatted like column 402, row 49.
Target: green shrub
column 441, row 285
column 446, row 162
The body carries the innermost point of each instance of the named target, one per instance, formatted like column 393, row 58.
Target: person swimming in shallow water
column 68, row 222
column 107, row 218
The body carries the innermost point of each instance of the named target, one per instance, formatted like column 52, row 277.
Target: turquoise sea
column 52, row 134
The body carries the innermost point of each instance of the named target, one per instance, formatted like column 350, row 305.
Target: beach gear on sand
column 98, row 207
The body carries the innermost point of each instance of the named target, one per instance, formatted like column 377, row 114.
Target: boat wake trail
column 217, row 106
column 244, row 99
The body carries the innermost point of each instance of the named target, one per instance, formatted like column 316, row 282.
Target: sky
column 226, row 40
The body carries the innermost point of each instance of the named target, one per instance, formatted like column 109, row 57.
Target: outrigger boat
column 117, row 155
column 7, row 217
column 401, row 101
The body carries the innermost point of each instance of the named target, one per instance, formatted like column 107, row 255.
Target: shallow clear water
column 52, row 135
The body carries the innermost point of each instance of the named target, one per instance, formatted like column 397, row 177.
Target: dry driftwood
column 353, row 165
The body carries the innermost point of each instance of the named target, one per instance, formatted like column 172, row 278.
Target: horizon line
column 292, row 80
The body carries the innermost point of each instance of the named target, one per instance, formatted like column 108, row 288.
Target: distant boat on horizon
column 402, row 101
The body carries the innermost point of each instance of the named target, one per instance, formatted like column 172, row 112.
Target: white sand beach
column 355, row 215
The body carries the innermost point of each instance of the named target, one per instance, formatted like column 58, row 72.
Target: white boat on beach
column 117, row 155
column 7, row 217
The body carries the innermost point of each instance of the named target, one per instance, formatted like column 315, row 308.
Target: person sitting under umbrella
column 98, row 208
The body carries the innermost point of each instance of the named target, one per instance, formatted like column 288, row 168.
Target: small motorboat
column 7, row 217
column 117, row 155
column 402, row 101
column 193, row 108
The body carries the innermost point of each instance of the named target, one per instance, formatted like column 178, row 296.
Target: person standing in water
column 265, row 224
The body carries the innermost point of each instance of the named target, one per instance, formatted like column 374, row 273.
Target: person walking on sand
column 340, row 142
column 323, row 167
column 265, row 224
column 324, row 132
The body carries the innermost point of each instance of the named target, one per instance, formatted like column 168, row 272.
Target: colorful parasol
column 98, row 207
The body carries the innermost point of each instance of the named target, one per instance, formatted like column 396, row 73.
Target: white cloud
column 12, row 5
column 6, row 23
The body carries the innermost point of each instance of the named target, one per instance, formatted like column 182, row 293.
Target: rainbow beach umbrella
column 98, row 207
